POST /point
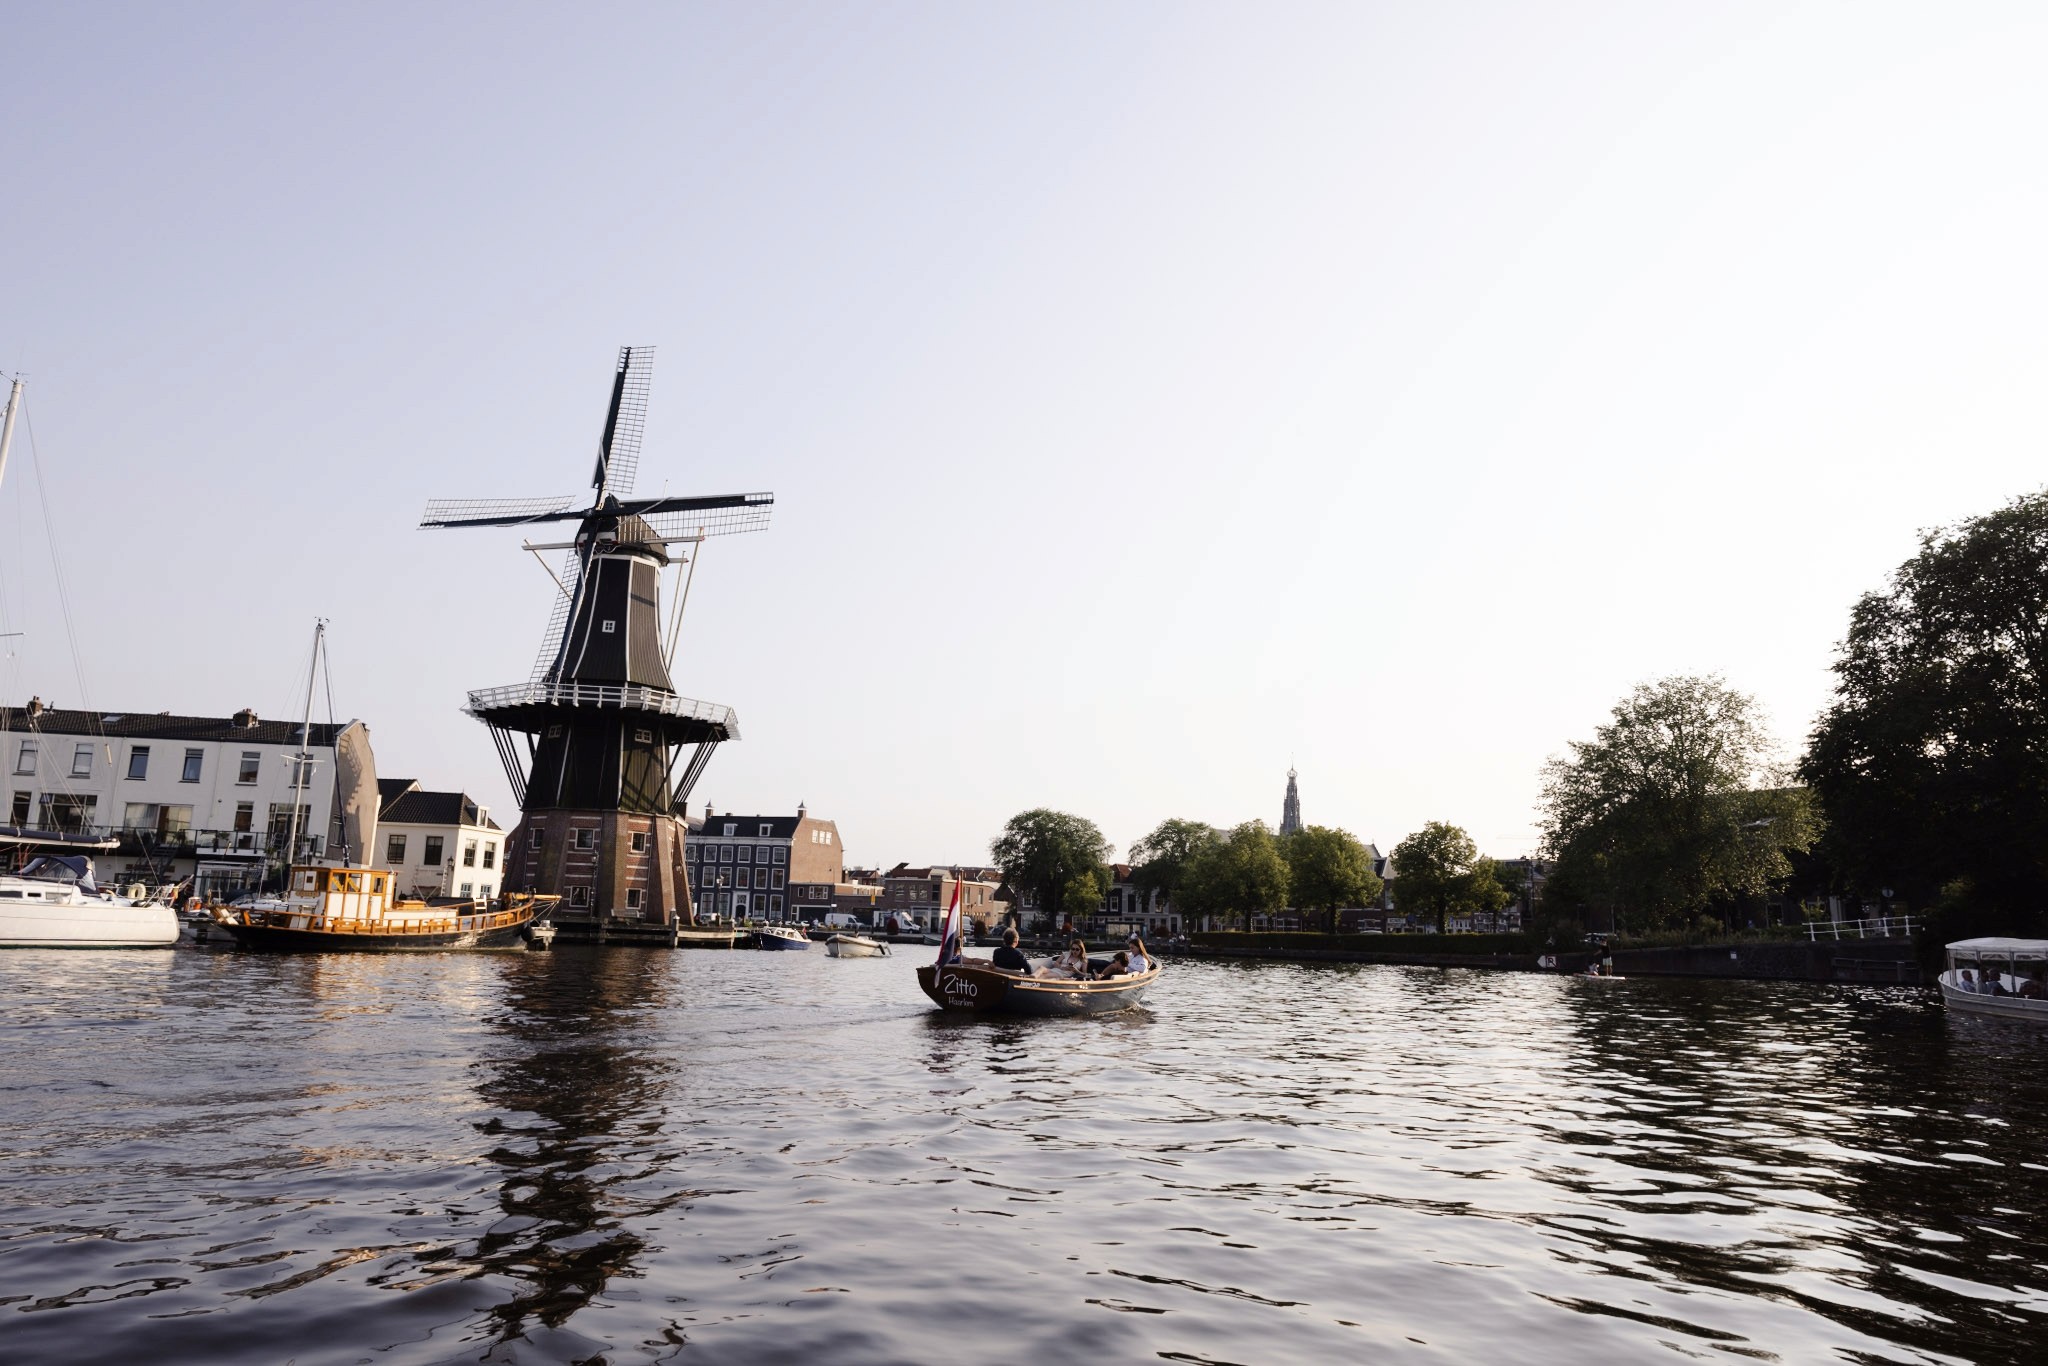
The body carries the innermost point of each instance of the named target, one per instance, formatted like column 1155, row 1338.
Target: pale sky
column 1154, row 394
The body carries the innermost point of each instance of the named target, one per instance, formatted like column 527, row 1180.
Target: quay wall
column 1850, row 960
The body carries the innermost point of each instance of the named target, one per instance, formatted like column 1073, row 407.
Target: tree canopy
column 1056, row 856
column 1438, row 873
column 1674, row 805
column 1327, row 869
column 1241, row 874
column 1932, row 759
column 1160, row 861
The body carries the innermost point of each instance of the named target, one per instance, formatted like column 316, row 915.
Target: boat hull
column 287, row 939
column 1974, row 1003
column 787, row 942
column 981, row 990
column 849, row 946
column 59, row 925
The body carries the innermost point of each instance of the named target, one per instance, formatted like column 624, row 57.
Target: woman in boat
column 1116, row 967
column 1071, row 964
column 2034, row 988
column 1140, row 961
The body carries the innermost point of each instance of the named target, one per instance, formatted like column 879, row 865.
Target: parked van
column 842, row 920
column 902, row 922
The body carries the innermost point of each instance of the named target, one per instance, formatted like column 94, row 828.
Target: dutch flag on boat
column 949, row 931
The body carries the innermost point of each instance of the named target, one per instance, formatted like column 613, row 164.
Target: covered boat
column 54, row 903
column 981, row 987
column 353, row 910
column 781, row 937
column 1997, row 977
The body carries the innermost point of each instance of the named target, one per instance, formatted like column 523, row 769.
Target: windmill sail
column 355, row 782
column 625, row 422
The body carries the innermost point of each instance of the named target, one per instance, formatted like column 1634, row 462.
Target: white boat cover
column 2001, row 948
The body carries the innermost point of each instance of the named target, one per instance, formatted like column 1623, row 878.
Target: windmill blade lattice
column 618, row 449
column 444, row 512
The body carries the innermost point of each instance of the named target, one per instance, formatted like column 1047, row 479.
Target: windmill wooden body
column 600, row 749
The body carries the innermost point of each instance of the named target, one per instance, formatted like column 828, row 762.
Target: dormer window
column 766, row 830
column 731, row 829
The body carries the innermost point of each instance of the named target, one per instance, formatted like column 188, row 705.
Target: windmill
column 591, row 742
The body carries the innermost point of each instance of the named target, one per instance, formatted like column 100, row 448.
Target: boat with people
column 355, row 910
column 855, row 946
column 54, row 903
column 979, row 986
column 1995, row 976
column 780, row 937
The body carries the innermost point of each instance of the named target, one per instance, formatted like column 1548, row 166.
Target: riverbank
column 1892, row 961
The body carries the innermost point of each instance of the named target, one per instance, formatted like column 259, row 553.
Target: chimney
column 245, row 719
column 35, row 708
column 707, row 811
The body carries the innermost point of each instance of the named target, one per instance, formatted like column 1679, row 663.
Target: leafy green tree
column 1438, row 873
column 1048, row 853
column 1327, row 869
column 1241, row 874
column 1932, row 760
column 1674, row 806
column 1160, row 861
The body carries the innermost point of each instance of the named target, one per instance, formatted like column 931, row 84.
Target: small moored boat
column 855, row 946
column 55, row 904
column 781, row 937
column 1998, row 977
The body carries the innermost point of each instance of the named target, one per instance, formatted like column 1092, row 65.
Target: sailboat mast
column 305, row 753
column 7, row 427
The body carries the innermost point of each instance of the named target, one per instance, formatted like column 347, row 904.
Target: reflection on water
column 617, row 1156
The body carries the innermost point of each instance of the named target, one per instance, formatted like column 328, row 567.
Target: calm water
column 624, row 1156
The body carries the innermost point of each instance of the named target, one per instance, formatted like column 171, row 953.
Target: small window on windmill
column 554, row 732
column 610, row 626
column 643, row 737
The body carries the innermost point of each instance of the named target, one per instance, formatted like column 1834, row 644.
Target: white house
column 184, row 795
column 437, row 843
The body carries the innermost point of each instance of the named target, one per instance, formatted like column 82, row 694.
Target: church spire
column 1290, row 814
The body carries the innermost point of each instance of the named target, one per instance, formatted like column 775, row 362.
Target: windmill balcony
column 525, row 702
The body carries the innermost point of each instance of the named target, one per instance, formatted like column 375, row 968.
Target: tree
column 1328, row 868
column 1674, row 805
column 1241, row 874
column 1438, row 872
column 1160, row 861
column 1048, row 853
column 1932, row 760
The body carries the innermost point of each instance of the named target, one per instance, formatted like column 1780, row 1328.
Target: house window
column 490, row 856
column 81, row 761
column 25, row 757
column 610, row 627
column 18, row 814
column 433, row 855
column 690, row 852
column 731, row 830
column 533, row 838
column 586, row 839
column 766, row 830
column 746, row 853
column 632, row 898
column 394, row 849
column 725, row 853
column 245, row 818
column 777, row 883
column 195, row 759
column 251, row 761
column 469, row 889
column 639, row 841
column 746, row 877
column 138, row 761
column 775, row 905
column 65, row 811
column 484, row 891
column 579, row 896
column 469, row 854
column 781, row 854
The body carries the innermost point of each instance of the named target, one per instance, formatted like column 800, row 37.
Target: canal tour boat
column 354, row 910
column 1998, row 977
column 54, row 903
column 855, row 946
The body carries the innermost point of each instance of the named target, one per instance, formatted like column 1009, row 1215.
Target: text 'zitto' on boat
column 1008, row 983
column 1997, row 977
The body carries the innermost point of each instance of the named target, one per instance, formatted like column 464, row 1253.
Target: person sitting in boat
column 1116, row 967
column 1991, row 982
column 2034, row 988
column 1009, row 957
column 1072, row 964
column 1140, row 960
column 1964, row 981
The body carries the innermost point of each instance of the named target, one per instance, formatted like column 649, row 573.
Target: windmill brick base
column 631, row 862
